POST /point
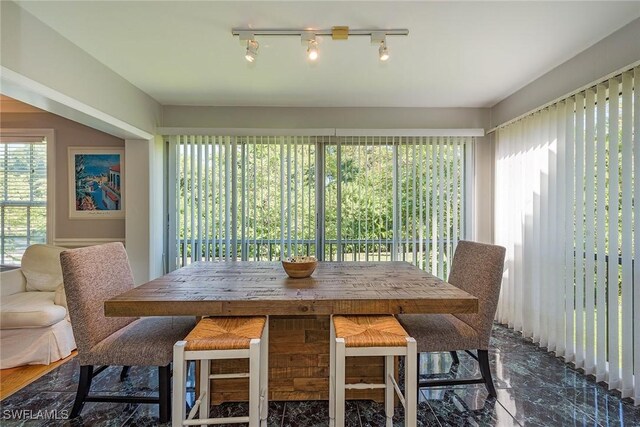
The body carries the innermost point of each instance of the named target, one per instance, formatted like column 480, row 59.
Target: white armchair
column 34, row 322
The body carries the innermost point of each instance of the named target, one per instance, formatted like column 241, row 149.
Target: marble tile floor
column 534, row 389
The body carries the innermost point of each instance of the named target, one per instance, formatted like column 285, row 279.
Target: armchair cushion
column 41, row 266
column 30, row 310
column 440, row 332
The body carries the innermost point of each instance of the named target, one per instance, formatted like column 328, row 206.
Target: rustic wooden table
column 299, row 312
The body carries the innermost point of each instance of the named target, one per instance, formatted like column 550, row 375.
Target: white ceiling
column 458, row 54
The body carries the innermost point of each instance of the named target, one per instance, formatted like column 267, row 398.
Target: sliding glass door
column 337, row 198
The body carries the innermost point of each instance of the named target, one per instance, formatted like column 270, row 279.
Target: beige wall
column 609, row 55
column 69, row 133
column 483, row 195
column 324, row 117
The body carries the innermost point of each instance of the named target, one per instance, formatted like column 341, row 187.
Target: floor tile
column 141, row 379
column 468, row 406
column 98, row 414
column 62, row 379
column 605, row 408
column 508, row 340
column 36, row 409
column 372, row 414
column 526, row 370
column 544, row 407
column 316, row 414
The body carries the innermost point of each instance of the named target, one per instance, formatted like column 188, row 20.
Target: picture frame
column 96, row 182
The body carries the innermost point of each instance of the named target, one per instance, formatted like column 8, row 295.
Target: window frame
column 49, row 136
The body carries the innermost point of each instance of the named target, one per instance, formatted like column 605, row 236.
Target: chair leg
column 205, row 388
column 254, row 383
column 179, row 378
column 340, row 356
column 389, row 392
column 264, row 375
column 483, row 360
column 84, row 385
column 124, row 373
column 164, row 393
column 454, row 356
column 410, row 386
column 332, row 373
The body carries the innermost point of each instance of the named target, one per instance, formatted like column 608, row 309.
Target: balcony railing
column 344, row 250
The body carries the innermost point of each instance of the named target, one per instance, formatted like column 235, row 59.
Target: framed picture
column 96, row 183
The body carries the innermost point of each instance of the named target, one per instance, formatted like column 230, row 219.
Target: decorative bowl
column 299, row 267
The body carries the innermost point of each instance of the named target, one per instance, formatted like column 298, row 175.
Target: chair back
column 92, row 275
column 477, row 269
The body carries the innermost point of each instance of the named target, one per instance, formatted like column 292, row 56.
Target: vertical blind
column 339, row 198
column 249, row 198
column 408, row 204
column 565, row 194
column 23, row 202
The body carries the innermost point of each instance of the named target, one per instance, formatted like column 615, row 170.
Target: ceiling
column 457, row 54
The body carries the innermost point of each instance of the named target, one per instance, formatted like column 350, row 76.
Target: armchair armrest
column 12, row 282
column 60, row 298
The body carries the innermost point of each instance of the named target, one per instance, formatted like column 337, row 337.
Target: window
column 23, row 202
column 338, row 198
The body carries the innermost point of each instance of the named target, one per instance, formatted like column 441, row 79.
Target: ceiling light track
column 308, row 38
column 325, row 32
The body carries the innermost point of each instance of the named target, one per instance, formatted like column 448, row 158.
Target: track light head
column 380, row 38
column 252, row 50
column 308, row 38
column 312, row 50
column 383, row 51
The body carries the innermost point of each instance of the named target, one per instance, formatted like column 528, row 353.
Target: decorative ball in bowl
column 298, row 267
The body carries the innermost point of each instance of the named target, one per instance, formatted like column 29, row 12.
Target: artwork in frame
column 96, row 183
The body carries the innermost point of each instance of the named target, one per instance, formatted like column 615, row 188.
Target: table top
column 252, row 288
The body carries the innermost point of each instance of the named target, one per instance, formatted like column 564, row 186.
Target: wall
column 69, row 133
column 145, row 201
column 44, row 69
column 483, row 194
column 40, row 67
column 610, row 54
column 324, row 117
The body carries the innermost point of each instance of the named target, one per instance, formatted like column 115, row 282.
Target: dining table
column 299, row 313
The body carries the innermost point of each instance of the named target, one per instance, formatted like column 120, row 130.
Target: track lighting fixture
column 252, row 50
column 378, row 38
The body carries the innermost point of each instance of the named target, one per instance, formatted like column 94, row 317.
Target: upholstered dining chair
column 91, row 276
column 477, row 269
